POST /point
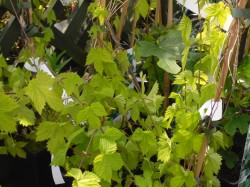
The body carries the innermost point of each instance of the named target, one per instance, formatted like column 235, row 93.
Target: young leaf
column 55, row 132
column 113, row 134
column 86, row 179
column 71, row 82
column 25, row 116
column 164, row 148
column 185, row 27
column 97, row 56
column 146, row 139
column 107, row 146
column 40, row 92
column 141, row 8
column 7, row 104
column 7, row 123
column 212, row 163
column 105, row 164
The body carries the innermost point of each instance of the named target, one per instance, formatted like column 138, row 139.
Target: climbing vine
column 108, row 126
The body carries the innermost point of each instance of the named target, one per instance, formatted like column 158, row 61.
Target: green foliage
column 115, row 134
column 86, row 179
column 167, row 49
column 40, row 91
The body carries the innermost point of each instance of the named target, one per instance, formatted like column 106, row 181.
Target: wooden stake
column 226, row 62
column 122, row 20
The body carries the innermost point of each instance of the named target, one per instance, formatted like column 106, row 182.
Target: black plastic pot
column 35, row 171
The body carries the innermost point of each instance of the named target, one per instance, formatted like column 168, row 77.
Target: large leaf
column 168, row 50
column 40, row 91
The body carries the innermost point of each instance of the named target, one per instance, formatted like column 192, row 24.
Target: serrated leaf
column 55, row 132
column 97, row 56
column 237, row 121
column 113, row 134
column 164, row 148
column 105, row 164
column 107, row 146
column 71, row 82
column 135, row 113
column 185, row 27
column 169, row 116
column 86, row 179
column 98, row 109
column 7, row 123
column 7, row 104
column 40, row 91
column 154, row 90
column 212, row 163
column 146, row 139
column 141, row 8
column 25, row 116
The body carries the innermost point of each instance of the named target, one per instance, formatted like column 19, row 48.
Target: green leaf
column 107, row 146
column 135, row 113
column 55, row 132
column 164, row 148
column 141, row 181
column 218, row 12
column 86, row 179
column 98, row 109
column 97, row 56
column 26, row 117
column 185, row 27
column 105, row 164
column 3, row 150
column 168, row 50
column 40, row 91
column 59, row 157
column 237, row 121
column 169, row 116
column 113, row 134
column 141, row 8
column 212, row 163
column 71, row 82
column 7, row 104
column 146, row 139
column 7, row 123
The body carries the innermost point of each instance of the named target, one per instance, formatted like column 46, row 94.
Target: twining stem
column 166, row 74
column 87, row 149
column 122, row 20
column 225, row 66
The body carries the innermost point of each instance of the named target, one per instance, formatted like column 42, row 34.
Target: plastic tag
column 212, row 109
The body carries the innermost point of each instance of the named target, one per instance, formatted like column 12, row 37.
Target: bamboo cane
column 225, row 66
column 122, row 20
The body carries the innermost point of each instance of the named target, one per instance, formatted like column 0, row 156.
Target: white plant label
column 212, row 109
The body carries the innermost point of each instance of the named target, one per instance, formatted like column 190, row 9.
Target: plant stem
column 87, row 149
